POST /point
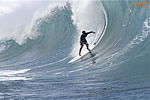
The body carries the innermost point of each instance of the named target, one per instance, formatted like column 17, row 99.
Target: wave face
column 36, row 47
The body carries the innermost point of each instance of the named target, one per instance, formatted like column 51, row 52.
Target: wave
column 122, row 34
column 48, row 31
column 57, row 26
column 34, row 58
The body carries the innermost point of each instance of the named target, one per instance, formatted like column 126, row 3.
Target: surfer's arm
column 90, row 32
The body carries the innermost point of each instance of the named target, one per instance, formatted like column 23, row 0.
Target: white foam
column 13, row 78
column 6, row 75
column 12, row 72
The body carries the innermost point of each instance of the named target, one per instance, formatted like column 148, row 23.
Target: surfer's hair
column 83, row 32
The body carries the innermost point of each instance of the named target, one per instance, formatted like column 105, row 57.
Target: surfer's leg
column 87, row 45
column 80, row 48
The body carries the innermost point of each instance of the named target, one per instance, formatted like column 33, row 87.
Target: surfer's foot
column 79, row 54
column 89, row 50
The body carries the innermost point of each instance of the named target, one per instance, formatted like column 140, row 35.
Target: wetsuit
column 83, row 39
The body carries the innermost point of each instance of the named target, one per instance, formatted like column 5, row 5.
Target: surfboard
column 74, row 59
column 78, row 57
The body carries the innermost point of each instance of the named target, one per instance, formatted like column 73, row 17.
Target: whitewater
column 38, row 39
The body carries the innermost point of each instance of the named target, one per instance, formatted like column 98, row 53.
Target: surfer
column 84, row 41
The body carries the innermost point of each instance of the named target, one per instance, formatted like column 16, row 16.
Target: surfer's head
column 83, row 32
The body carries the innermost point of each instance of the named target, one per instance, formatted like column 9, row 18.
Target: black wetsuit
column 83, row 38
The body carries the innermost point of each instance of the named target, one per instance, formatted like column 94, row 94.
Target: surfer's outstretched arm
column 90, row 32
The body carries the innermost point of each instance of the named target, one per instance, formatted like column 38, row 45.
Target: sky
column 15, row 14
column 9, row 6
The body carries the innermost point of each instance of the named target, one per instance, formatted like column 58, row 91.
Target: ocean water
column 39, row 38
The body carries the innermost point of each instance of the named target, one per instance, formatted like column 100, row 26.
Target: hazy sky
column 18, row 13
column 9, row 6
